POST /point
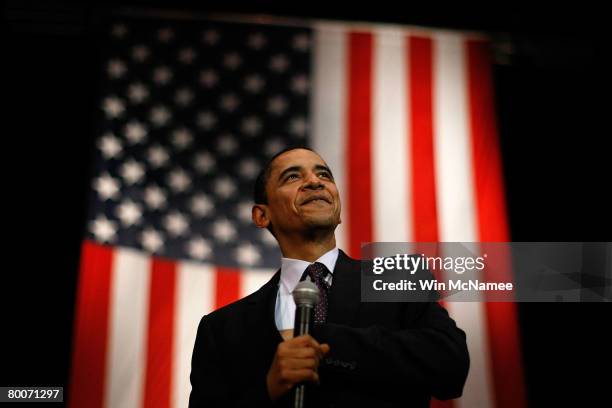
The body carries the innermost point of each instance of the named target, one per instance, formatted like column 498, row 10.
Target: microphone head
column 306, row 293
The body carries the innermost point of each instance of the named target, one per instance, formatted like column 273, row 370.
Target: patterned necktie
column 317, row 272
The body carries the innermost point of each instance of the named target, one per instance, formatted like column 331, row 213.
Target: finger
column 324, row 348
column 297, row 376
column 299, row 363
column 305, row 340
column 302, row 352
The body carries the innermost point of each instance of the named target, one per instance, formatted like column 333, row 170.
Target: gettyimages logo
column 412, row 263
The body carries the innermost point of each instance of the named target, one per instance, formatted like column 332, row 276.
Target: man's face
column 302, row 194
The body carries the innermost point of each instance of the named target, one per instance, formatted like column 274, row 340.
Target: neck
column 307, row 248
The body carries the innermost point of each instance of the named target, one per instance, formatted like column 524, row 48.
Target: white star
column 162, row 75
column 119, row 30
column 301, row 42
column 227, row 144
column 210, row 37
column 154, row 197
column 277, row 105
column 135, row 132
column 129, row 213
column 182, row 138
column 179, row 180
column 116, row 69
column 298, row 127
column 245, row 209
column 300, row 84
column 199, row 248
column 208, row 78
column 140, row 53
column 187, row 55
column 110, row 146
column 165, row 35
column 251, row 126
column 157, row 156
column 229, row 102
column 232, row 60
column 279, row 63
column 201, row 205
column 103, row 229
column 256, row 41
column 249, row 168
column 183, row 97
column 132, row 172
column 151, row 240
column 224, row 187
column 176, row 224
column 223, row 230
column 106, row 187
column 254, row 83
column 113, row 107
column 204, row 162
column 160, row 115
column 273, row 146
column 206, row 120
column 247, row 254
column 138, row 92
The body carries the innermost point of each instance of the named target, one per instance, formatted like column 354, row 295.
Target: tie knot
column 317, row 271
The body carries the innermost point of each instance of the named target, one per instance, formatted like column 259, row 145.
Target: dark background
column 550, row 77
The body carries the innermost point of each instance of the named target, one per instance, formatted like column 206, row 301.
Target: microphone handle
column 304, row 316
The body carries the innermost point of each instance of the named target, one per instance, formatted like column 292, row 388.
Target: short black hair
column 259, row 191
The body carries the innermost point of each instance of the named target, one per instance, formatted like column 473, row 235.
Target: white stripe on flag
column 453, row 160
column 195, row 298
column 126, row 356
column 390, row 169
column 253, row 279
column 456, row 199
column 328, row 107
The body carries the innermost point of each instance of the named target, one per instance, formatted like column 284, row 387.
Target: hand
column 295, row 361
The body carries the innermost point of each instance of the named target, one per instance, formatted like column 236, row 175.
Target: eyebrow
column 299, row 168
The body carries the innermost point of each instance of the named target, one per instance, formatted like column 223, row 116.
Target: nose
column 312, row 182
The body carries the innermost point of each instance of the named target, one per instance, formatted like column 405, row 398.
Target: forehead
column 297, row 157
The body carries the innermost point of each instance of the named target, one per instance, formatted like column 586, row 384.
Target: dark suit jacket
column 382, row 354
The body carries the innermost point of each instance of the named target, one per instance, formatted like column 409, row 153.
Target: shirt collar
column 292, row 269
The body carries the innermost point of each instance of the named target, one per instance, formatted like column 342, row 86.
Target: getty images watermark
column 486, row 272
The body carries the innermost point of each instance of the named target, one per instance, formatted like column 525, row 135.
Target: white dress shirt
column 291, row 272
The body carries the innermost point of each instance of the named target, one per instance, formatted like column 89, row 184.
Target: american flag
column 189, row 113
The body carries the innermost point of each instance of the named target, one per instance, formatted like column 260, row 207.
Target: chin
column 321, row 222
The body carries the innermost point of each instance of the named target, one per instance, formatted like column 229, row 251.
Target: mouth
column 318, row 199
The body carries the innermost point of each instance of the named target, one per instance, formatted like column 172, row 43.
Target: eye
column 325, row 174
column 291, row 176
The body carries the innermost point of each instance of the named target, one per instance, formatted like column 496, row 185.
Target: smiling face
column 302, row 195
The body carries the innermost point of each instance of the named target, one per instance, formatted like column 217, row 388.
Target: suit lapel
column 260, row 313
column 345, row 293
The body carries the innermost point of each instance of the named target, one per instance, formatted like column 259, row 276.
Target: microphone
column 306, row 296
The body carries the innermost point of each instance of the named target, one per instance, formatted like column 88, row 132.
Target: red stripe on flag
column 227, row 288
column 503, row 333
column 358, row 146
column 420, row 78
column 425, row 214
column 87, row 379
column 160, row 334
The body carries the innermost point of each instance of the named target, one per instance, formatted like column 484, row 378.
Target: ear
column 259, row 215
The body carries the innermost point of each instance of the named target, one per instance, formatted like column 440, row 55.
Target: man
column 359, row 354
